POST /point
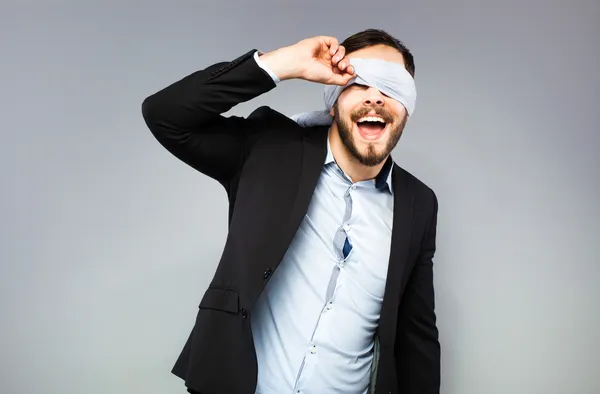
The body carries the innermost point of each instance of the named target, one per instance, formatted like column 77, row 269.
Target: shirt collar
column 383, row 179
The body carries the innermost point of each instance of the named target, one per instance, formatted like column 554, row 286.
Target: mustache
column 383, row 113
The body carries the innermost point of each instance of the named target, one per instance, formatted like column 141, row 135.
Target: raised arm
column 185, row 117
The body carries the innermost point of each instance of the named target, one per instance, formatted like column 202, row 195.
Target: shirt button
column 346, row 227
column 329, row 305
column 313, row 349
column 267, row 273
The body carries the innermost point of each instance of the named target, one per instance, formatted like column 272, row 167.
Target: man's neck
column 348, row 163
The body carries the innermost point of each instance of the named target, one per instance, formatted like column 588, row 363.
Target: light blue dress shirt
column 315, row 321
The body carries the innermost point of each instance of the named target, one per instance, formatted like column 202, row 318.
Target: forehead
column 382, row 52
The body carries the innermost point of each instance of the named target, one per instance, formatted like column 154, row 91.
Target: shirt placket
column 339, row 240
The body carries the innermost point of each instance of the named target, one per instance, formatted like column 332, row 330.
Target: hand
column 318, row 59
column 323, row 60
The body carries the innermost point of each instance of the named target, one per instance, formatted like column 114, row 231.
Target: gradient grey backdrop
column 108, row 242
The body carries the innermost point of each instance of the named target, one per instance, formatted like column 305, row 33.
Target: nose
column 373, row 98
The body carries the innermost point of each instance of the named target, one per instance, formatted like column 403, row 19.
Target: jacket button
column 267, row 273
column 244, row 313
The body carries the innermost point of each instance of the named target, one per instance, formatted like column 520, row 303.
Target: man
column 325, row 284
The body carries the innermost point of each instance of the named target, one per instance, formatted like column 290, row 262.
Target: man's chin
column 370, row 157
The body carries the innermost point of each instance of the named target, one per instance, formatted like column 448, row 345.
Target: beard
column 371, row 157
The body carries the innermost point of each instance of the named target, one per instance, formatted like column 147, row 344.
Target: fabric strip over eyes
column 390, row 78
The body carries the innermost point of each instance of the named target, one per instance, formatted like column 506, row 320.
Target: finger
column 339, row 55
column 344, row 65
column 340, row 77
column 332, row 43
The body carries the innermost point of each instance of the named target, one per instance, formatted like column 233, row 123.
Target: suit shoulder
column 267, row 113
column 421, row 190
column 274, row 124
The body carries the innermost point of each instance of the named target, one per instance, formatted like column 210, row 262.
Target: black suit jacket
column 269, row 167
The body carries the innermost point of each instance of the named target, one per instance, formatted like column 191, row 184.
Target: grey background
column 108, row 242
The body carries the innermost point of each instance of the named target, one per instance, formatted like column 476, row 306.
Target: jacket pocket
column 220, row 299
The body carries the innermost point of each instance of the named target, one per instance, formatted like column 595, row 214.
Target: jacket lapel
column 401, row 237
column 314, row 150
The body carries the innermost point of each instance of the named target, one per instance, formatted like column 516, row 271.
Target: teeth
column 371, row 119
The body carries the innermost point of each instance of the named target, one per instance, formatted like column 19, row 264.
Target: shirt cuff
column 264, row 67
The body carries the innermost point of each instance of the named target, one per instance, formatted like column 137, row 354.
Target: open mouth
column 371, row 127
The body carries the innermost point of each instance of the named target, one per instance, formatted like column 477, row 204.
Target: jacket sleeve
column 417, row 348
column 186, row 116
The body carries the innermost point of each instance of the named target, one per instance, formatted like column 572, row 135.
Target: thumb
column 341, row 79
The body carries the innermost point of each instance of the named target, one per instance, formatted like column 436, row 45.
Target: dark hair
column 370, row 37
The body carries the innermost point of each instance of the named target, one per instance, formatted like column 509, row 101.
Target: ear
column 331, row 112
